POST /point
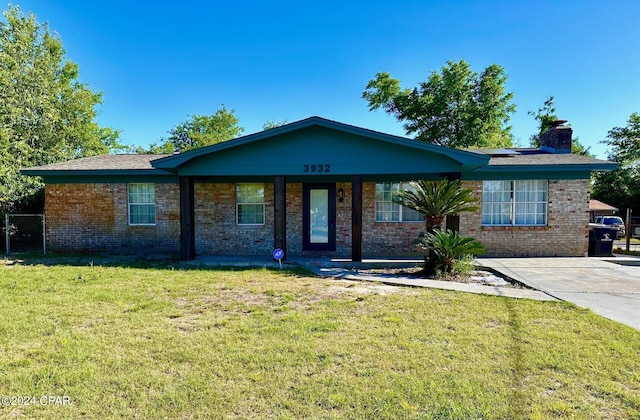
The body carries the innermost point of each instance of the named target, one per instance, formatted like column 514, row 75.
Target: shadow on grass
column 518, row 369
column 146, row 262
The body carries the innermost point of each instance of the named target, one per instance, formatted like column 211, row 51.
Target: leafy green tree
column 157, row 148
column 545, row 117
column 46, row 114
column 197, row 131
column 457, row 107
column 268, row 125
column 621, row 187
column 577, row 148
column 205, row 130
column 625, row 142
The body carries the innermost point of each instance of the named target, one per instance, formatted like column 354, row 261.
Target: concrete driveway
column 607, row 288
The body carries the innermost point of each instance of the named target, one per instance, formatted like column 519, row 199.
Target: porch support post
column 356, row 218
column 453, row 221
column 187, row 220
column 280, row 214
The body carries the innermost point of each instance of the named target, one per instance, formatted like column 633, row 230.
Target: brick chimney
column 556, row 139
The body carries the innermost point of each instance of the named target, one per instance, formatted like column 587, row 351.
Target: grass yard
column 255, row 343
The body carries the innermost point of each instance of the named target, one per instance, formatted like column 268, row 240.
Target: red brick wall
column 94, row 218
column 379, row 239
column 343, row 221
column 294, row 219
column 217, row 232
column 566, row 233
column 385, row 238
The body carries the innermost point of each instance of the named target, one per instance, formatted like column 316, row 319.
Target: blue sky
column 158, row 62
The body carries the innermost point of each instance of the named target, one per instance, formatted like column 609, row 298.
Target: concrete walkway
column 346, row 269
column 609, row 286
column 435, row 284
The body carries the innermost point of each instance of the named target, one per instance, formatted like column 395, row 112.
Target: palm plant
column 448, row 247
column 437, row 200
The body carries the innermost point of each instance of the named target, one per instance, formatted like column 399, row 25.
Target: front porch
column 314, row 161
column 301, row 218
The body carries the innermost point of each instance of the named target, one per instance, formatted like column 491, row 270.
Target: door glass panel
column 319, row 216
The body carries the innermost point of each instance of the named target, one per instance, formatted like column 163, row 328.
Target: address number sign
column 316, row 168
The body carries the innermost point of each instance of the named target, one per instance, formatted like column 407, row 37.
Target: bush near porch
column 160, row 342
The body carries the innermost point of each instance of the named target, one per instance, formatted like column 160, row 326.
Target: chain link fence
column 23, row 233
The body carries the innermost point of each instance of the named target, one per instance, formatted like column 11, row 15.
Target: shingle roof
column 136, row 162
column 542, row 158
column 526, row 162
column 517, row 159
column 596, row 205
column 103, row 163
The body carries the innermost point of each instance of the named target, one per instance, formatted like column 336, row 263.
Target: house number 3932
column 317, row 168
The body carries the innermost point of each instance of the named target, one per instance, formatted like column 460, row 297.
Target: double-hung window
column 250, row 204
column 519, row 203
column 142, row 204
column 389, row 211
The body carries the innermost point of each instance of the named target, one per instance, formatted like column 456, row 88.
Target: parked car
column 614, row 221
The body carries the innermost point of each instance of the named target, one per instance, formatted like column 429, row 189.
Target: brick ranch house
column 315, row 187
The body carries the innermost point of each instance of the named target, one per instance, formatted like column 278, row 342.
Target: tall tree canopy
column 268, row 125
column 621, row 187
column 199, row 131
column 625, row 142
column 457, row 107
column 547, row 115
column 544, row 116
column 46, row 114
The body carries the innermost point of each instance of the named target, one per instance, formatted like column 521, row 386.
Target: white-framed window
column 389, row 211
column 518, row 203
column 142, row 204
column 250, row 204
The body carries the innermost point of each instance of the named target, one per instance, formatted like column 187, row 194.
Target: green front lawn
column 164, row 343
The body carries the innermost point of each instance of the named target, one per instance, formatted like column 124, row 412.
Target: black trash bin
column 601, row 241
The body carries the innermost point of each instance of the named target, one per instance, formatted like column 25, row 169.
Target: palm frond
column 437, row 199
column 448, row 246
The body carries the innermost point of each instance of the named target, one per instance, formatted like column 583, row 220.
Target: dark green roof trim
column 468, row 160
column 497, row 176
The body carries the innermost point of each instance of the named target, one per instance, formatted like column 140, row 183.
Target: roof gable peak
column 173, row 162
